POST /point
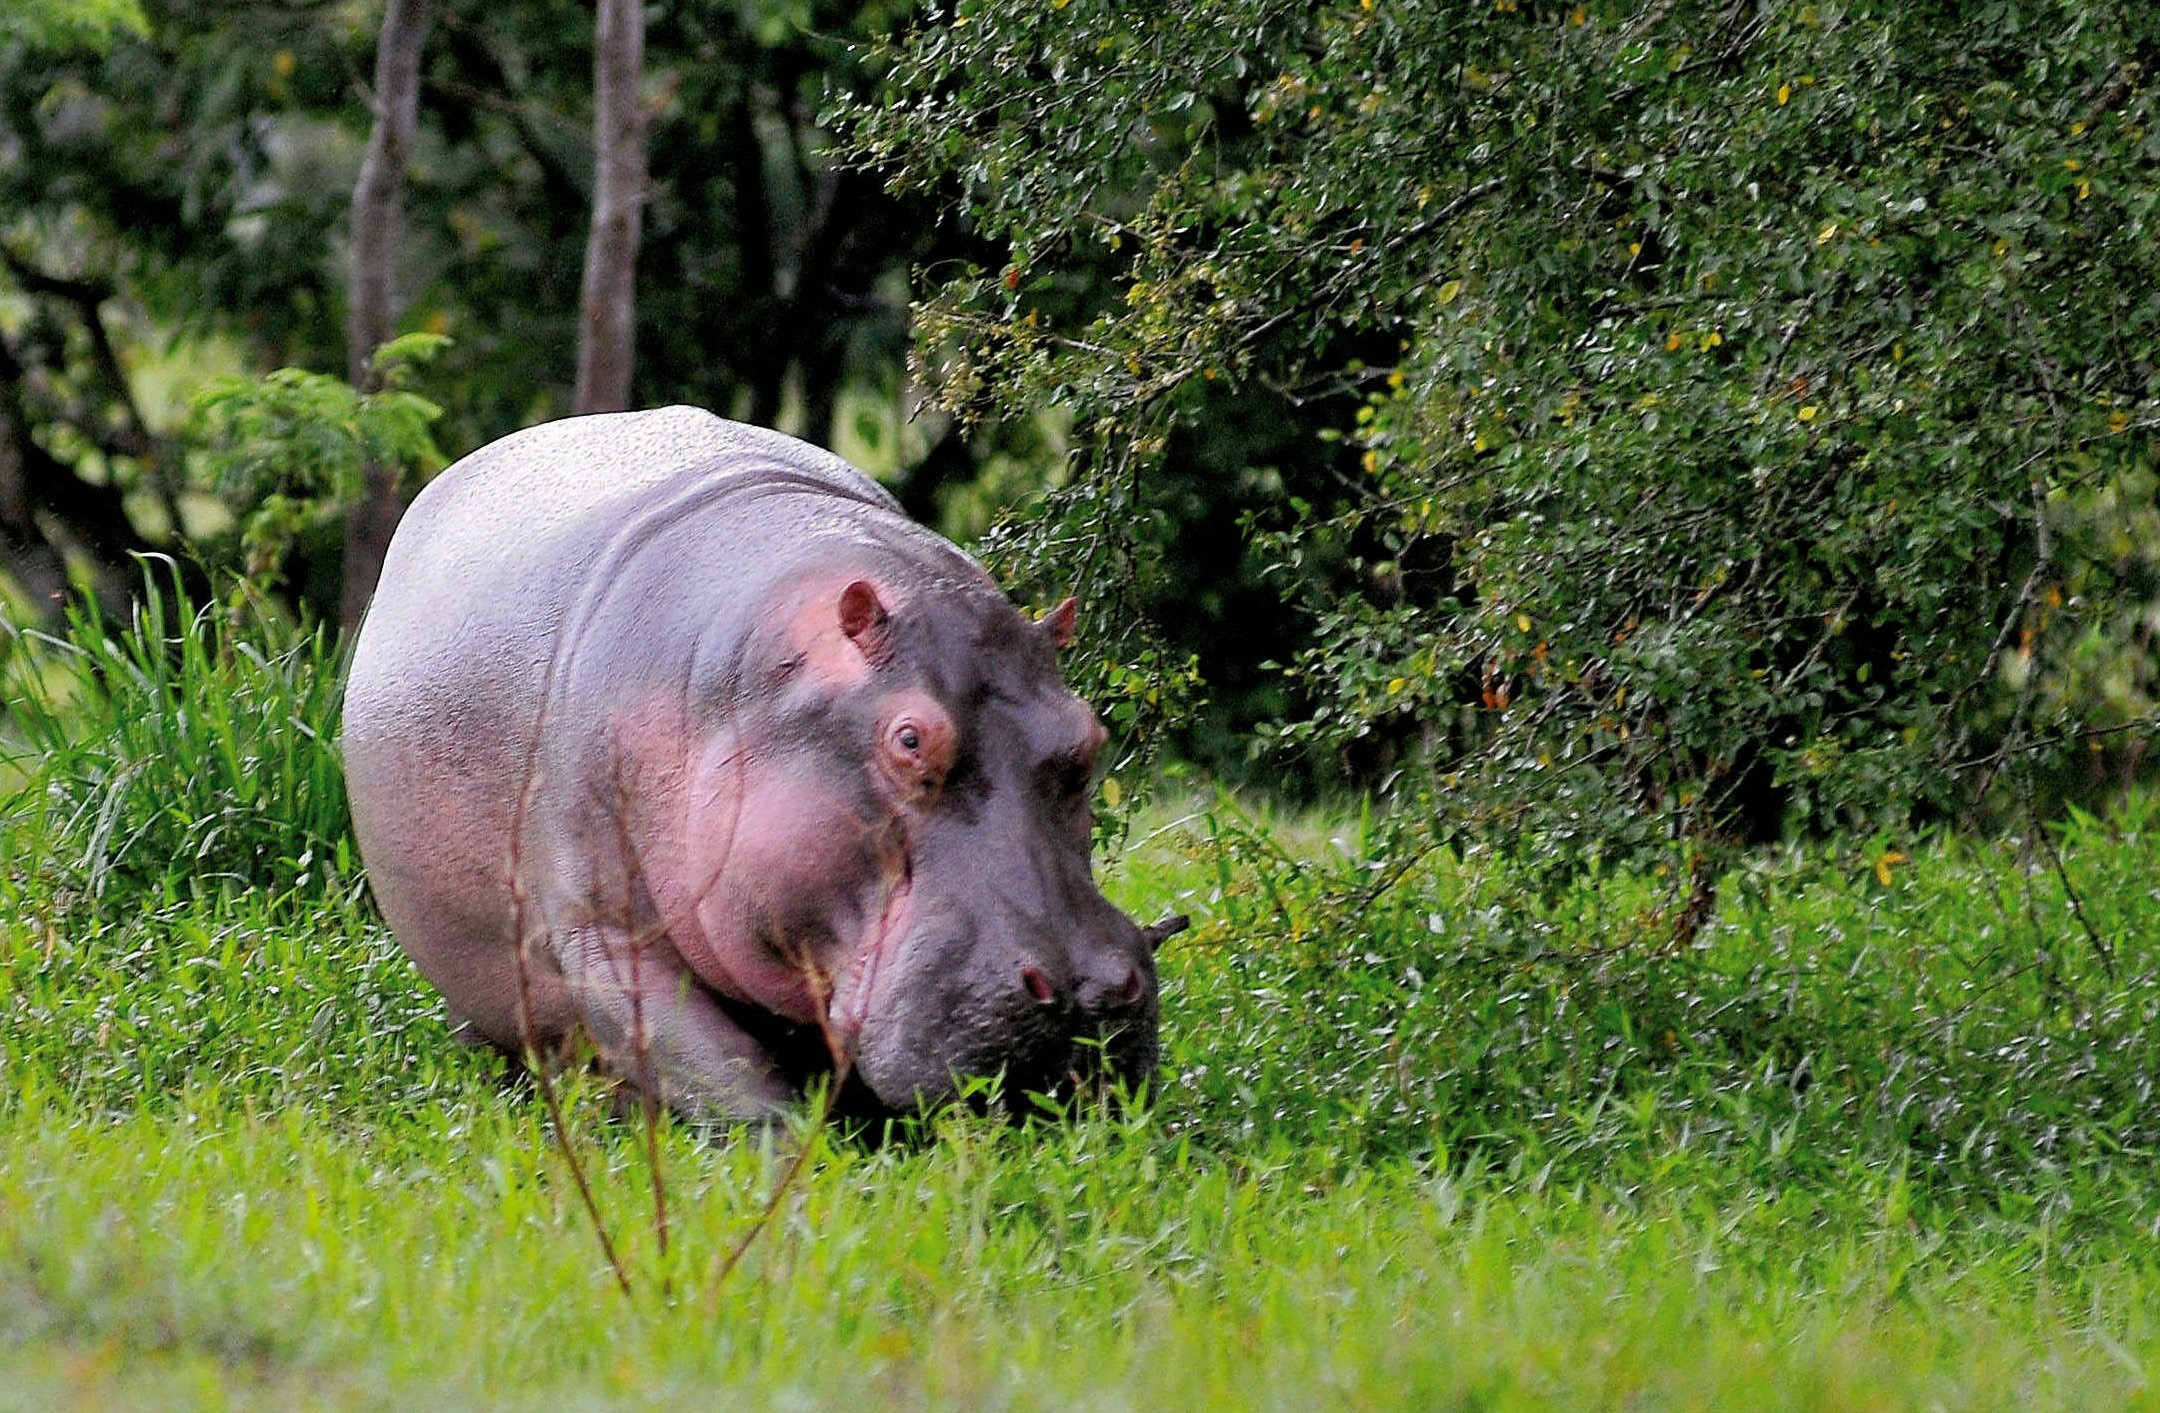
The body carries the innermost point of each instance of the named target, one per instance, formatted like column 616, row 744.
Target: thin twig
column 533, row 1058
column 640, row 1031
column 2070, row 893
column 895, row 873
column 527, row 1036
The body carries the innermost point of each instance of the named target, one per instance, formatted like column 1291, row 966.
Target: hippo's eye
column 917, row 751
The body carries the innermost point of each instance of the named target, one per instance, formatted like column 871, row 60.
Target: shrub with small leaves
column 1755, row 403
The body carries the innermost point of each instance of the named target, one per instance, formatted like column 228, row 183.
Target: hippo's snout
column 979, row 993
column 1096, row 994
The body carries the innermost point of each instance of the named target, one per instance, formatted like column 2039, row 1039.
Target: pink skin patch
column 774, row 885
column 760, row 874
column 819, row 612
column 784, row 871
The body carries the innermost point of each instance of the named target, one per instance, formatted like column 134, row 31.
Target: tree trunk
column 607, row 303
column 378, row 213
column 26, row 556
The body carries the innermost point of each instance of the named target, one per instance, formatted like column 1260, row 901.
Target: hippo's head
column 942, row 877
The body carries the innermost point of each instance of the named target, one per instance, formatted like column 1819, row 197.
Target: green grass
column 1864, row 1145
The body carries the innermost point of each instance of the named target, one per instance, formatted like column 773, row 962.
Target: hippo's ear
column 1062, row 622
column 863, row 618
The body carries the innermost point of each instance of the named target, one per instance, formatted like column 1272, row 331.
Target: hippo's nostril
column 1100, row 996
column 1038, row 985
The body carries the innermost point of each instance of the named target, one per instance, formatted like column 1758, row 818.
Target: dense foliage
column 1745, row 411
column 173, row 756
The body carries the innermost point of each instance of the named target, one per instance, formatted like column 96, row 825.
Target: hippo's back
column 488, row 568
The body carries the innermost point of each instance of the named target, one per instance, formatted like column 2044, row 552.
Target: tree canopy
column 1740, row 415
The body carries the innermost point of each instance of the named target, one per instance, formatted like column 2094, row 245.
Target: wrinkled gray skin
column 748, row 759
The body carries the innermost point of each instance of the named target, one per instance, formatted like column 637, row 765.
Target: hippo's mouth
column 858, row 982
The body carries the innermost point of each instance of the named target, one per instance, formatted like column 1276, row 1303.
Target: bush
column 1943, row 1016
column 1752, row 405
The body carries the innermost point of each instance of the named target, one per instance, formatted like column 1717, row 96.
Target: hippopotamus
column 679, row 733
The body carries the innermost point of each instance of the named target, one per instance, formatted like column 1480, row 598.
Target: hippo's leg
column 653, row 1023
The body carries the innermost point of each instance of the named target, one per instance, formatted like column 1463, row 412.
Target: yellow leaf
column 1372, row 462
column 1396, row 684
column 1713, row 339
column 2118, row 421
column 1580, row 15
column 1634, row 247
column 2084, row 190
column 284, row 63
column 1522, row 621
column 1448, row 292
column 1784, row 94
column 2071, row 164
column 1826, row 234
column 1890, row 859
column 1807, row 413
column 2000, row 247
column 1112, row 792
